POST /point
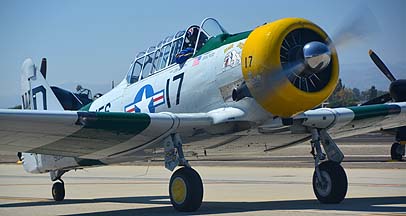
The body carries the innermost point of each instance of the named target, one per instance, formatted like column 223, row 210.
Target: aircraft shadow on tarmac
column 367, row 204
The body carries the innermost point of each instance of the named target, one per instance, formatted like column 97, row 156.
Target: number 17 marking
column 177, row 77
column 248, row 61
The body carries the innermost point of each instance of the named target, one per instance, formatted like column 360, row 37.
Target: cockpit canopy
column 156, row 58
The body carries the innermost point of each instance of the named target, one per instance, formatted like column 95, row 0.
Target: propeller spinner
column 317, row 55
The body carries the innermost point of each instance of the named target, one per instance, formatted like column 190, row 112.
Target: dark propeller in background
column 397, row 93
column 397, row 88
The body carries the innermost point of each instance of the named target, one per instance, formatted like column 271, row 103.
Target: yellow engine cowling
column 261, row 56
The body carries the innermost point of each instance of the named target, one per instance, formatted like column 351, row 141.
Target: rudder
column 35, row 91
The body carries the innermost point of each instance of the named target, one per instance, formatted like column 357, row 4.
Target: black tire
column 192, row 198
column 396, row 151
column 336, row 183
column 58, row 191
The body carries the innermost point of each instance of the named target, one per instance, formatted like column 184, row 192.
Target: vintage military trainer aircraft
column 199, row 84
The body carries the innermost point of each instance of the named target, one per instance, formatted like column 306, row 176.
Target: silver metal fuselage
column 207, row 84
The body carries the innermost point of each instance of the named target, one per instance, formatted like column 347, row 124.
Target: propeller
column 397, row 93
column 306, row 65
column 381, row 65
column 378, row 100
column 397, row 88
column 358, row 25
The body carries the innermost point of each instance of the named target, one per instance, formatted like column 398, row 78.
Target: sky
column 93, row 42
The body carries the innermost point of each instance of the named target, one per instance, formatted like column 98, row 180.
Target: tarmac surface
column 125, row 190
column 278, row 184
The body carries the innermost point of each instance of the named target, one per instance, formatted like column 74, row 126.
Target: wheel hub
column 324, row 186
column 179, row 190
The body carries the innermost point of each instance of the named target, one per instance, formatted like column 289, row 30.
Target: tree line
column 343, row 96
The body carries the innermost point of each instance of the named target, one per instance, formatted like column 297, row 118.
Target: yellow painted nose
column 261, row 59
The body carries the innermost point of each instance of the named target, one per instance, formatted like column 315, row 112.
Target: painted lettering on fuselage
column 104, row 108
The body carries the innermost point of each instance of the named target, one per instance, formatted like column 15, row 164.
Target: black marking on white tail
column 34, row 88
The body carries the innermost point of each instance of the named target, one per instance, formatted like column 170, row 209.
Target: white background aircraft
column 265, row 82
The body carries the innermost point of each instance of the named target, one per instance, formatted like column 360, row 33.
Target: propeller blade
column 43, row 68
column 381, row 65
column 378, row 100
column 361, row 23
column 358, row 25
column 272, row 81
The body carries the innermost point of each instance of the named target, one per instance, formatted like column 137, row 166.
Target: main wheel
column 58, row 191
column 333, row 185
column 186, row 190
column 396, row 151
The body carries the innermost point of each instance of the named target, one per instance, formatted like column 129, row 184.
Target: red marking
column 196, row 61
column 131, row 110
column 158, row 98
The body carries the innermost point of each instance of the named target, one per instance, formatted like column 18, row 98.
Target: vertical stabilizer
column 35, row 92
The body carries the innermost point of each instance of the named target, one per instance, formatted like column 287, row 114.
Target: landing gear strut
column 397, row 151
column 329, row 178
column 58, row 188
column 185, row 186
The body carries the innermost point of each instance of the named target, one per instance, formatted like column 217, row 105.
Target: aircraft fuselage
column 201, row 84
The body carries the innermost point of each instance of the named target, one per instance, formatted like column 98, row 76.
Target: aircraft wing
column 349, row 121
column 96, row 135
column 339, row 122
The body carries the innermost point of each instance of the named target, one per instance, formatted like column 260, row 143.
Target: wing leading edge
column 349, row 121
